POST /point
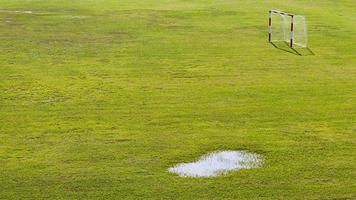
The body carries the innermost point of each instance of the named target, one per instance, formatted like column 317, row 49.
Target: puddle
column 218, row 163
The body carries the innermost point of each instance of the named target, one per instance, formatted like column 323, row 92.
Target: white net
column 281, row 29
column 300, row 31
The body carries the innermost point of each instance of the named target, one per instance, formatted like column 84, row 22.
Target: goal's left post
column 269, row 26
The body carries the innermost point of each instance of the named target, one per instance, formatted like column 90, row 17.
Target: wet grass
column 99, row 98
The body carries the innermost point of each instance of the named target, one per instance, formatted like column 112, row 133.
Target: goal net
column 288, row 27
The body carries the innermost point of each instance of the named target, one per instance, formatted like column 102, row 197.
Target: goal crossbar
column 281, row 12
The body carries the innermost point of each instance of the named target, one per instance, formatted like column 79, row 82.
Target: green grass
column 99, row 97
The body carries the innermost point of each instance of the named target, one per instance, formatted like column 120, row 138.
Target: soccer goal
column 287, row 27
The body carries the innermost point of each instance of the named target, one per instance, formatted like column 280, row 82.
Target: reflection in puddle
column 218, row 163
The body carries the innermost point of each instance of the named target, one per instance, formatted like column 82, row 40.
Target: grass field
column 100, row 97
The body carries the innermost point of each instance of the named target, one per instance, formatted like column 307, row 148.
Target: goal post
column 287, row 27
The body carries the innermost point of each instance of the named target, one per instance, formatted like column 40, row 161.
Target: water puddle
column 218, row 163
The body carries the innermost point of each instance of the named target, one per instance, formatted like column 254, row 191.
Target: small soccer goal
column 287, row 27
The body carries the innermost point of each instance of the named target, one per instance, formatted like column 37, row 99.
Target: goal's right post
column 291, row 30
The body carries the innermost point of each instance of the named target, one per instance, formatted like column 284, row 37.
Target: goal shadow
column 284, row 46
